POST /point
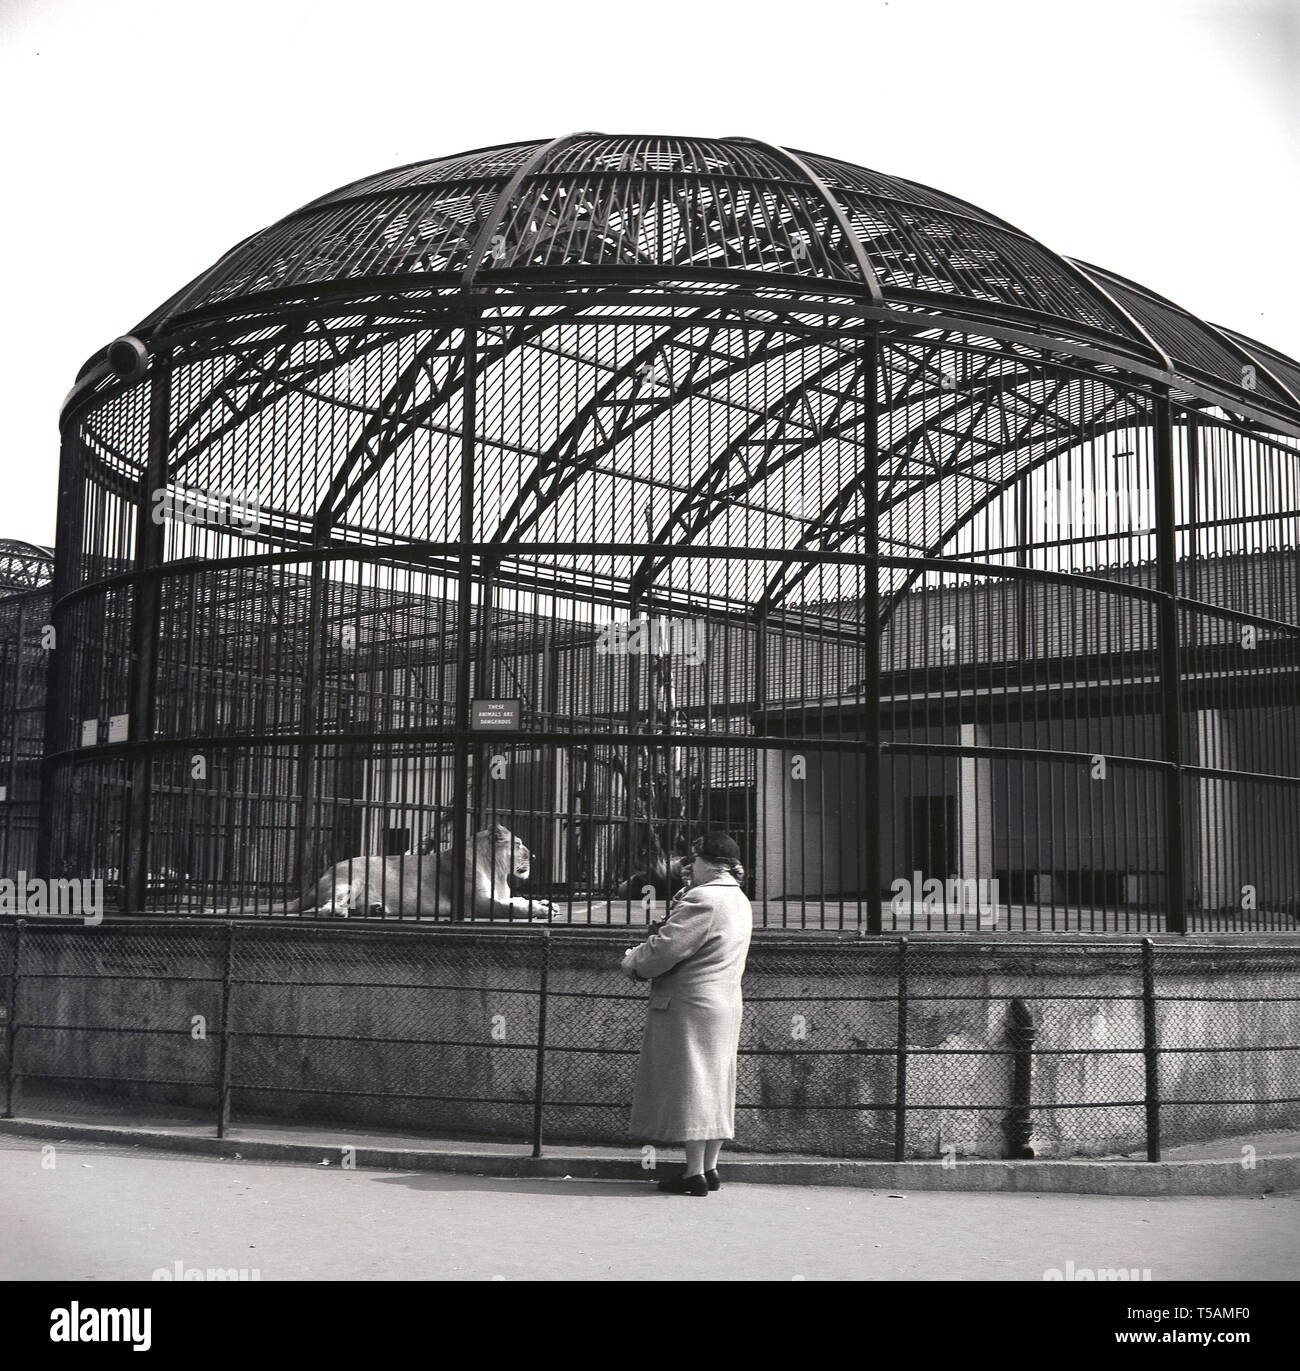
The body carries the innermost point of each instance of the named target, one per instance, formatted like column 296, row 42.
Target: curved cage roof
column 666, row 359
column 656, row 209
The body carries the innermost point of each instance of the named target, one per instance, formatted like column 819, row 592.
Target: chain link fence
column 866, row 1047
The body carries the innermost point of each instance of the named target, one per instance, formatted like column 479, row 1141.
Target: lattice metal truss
column 24, row 566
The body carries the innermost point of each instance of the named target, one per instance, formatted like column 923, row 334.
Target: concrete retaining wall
column 395, row 1029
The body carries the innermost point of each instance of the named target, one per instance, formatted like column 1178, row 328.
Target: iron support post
column 461, row 807
column 150, row 550
column 1170, row 666
column 871, row 619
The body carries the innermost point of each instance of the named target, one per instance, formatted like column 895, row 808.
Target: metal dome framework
column 946, row 504
column 24, row 566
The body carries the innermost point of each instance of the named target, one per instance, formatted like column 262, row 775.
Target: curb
column 1224, row 1176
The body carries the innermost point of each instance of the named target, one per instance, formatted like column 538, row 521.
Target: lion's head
column 510, row 856
column 498, row 856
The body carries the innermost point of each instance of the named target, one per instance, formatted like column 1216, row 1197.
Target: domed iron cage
column 961, row 603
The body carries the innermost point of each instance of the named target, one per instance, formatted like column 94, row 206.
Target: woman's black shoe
column 711, row 1179
column 685, row 1185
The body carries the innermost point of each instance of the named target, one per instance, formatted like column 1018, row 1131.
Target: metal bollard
column 1018, row 1122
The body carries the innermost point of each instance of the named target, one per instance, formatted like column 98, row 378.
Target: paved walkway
column 110, row 1212
column 199, row 1124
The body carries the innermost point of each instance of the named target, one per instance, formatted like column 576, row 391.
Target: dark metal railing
column 852, row 1047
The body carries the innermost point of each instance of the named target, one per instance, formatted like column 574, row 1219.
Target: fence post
column 900, row 1058
column 1150, row 1050
column 11, row 1028
column 223, row 1063
column 539, row 1085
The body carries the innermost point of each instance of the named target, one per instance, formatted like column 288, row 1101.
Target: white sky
column 1159, row 138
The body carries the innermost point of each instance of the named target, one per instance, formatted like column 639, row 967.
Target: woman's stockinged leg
column 695, row 1157
column 711, row 1150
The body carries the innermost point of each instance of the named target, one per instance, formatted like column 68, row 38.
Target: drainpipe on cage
column 1017, row 1122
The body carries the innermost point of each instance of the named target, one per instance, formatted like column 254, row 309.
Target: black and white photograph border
column 651, row 644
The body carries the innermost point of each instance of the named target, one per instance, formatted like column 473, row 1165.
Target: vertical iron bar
column 539, row 1084
column 460, row 800
column 1023, row 536
column 900, row 1058
column 308, row 838
column 11, row 1027
column 483, row 685
column 763, row 781
column 1150, row 1050
column 871, row 619
column 68, row 560
column 1170, row 683
column 150, row 548
column 635, row 764
column 23, row 664
column 223, row 1064
column 1193, row 504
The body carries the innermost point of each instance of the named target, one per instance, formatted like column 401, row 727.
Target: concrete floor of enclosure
column 837, row 916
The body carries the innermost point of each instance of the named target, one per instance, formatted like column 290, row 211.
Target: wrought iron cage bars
column 608, row 490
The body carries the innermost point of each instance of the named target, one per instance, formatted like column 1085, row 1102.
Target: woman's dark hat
column 718, row 848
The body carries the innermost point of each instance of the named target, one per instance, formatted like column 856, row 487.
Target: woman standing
column 686, row 1078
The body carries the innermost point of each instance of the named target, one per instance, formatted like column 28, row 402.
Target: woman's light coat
column 686, row 1076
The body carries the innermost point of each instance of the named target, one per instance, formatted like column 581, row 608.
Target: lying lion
column 418, row 883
